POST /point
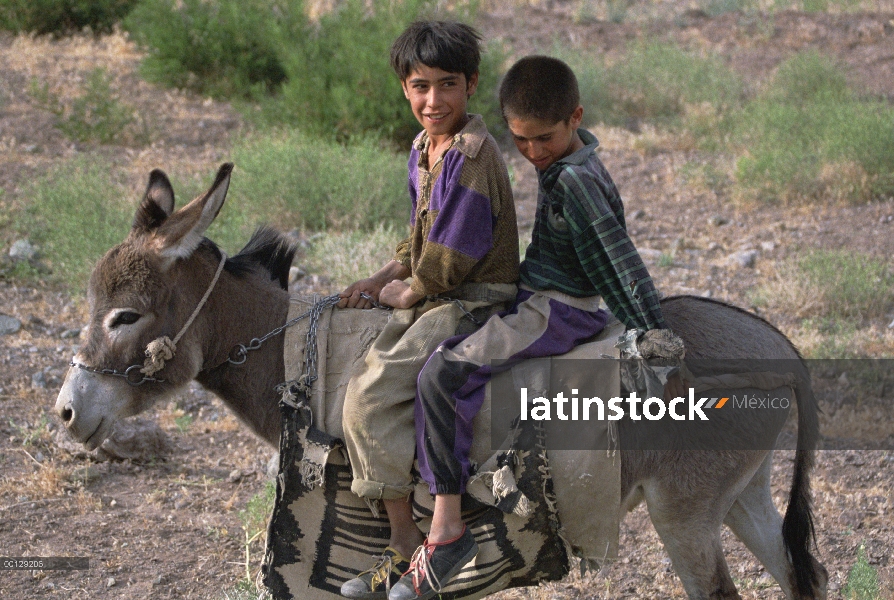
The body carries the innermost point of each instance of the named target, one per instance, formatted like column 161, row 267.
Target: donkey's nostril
column 66, row 414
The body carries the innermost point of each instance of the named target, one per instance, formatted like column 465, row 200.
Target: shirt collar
column 579, row 157
column 549, row 177
column 468, row 141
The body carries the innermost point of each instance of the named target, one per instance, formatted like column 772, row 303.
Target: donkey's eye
column 125, row 318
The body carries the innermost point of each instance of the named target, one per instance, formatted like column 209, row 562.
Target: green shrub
column 223, row 48
column 296, row 180
column 62, row 17
column 75, row 214
column 808, row 77
column 96, row 115
column 339, row 81
column 329, row 76
column 653, row 82
column 809, row 137
column 862, row 580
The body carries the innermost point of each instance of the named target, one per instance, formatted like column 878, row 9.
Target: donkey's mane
column 268, row 249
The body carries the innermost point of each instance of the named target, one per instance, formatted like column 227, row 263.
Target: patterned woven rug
column 527, row 508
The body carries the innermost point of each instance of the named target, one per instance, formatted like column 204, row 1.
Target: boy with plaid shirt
column 580, row 251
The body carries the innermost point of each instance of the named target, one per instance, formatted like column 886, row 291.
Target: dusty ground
column 170, row 528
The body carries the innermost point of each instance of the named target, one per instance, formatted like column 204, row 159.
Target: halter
column 162, row 349
column 159, row 350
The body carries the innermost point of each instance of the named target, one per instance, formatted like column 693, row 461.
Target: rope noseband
column 162, row 349
column 159, row 350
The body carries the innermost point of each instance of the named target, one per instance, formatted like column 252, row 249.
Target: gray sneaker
column 433, row 566
column 375, row 583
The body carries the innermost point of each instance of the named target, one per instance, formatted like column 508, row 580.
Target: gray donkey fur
column 147, row 287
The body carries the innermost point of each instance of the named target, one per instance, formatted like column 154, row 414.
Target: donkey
column 167, row 283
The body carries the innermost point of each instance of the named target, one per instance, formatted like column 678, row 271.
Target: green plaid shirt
column 580, row 244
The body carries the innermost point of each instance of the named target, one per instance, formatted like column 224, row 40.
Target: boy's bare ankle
column 446, row 532
column 406, row 543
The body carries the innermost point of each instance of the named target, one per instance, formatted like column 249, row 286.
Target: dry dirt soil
column 169, row 526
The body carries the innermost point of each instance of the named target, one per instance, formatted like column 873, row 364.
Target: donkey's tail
column 798, row 533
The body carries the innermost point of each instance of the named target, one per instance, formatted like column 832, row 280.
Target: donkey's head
column 150, row 331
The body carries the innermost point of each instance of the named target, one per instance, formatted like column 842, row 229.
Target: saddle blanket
column 531, row 510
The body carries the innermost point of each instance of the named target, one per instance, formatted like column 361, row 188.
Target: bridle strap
column 162, row 349
column 159, row 350
column 195, row 313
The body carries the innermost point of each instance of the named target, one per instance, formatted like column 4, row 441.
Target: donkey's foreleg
column 690, row 531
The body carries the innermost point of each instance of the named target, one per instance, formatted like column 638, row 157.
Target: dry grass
column 871, row 424
column 36, row 481
column 65, row 61
column 226, row 423
column 831, row 284
column 874, row 341
column 845, row 182
column 647, row 141
column 346, row 257
column 837, row 304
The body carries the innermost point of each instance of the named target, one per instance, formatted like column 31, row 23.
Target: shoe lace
column 421, row 568
column 381, row 572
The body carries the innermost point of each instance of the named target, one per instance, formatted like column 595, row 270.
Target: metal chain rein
column 126, row 374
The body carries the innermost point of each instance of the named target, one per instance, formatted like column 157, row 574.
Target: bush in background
column 654, row 82
column 808, row 136
column 224, row 48
column 329, row 76
column 96, row 115
column 340, row 81
column 62, row 17
column 79, row 210
column 75, row 213
column 297, row 180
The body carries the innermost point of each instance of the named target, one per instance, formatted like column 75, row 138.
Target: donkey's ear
column 157, row 204
column 181, row 234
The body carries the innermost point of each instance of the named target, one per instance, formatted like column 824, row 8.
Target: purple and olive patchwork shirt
column 463, row 227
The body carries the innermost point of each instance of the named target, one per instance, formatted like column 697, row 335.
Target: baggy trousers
column 378, row 411
column 451, row 385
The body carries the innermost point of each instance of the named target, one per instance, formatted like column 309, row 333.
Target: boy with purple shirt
column 462, row 255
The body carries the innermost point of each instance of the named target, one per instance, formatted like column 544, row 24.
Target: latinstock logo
column 575, row 408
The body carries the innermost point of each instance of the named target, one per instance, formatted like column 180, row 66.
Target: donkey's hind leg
column 753, row 518
column 691, row 535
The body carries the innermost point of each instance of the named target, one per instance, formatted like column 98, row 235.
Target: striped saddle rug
column 532, row 511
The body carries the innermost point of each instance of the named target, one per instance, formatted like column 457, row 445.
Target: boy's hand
column 351, row 298
column 675, row 387
column 372, row 286
column 399, row 294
